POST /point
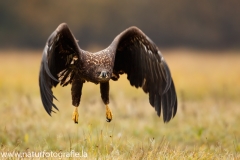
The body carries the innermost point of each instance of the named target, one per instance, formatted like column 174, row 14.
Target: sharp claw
column 108, row 120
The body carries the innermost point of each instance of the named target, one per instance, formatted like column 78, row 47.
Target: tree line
column 202, row 24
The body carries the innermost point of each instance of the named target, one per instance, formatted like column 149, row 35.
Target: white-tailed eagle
column 131, row 52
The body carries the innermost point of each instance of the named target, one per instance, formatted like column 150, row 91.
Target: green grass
column 206, row 125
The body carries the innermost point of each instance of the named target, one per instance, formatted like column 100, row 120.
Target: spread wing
column 138, row 57
column 60, row 61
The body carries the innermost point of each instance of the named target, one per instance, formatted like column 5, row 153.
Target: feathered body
column 131, row 52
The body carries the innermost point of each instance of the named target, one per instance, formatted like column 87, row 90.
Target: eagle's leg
column 76, row 96
column 104, row 88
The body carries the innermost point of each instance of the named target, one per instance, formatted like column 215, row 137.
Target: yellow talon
column 108, row 114
column 75, row 115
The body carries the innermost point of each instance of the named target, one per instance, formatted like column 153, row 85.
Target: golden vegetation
column 205, row 127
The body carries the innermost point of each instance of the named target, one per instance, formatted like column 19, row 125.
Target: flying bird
column 131, row 52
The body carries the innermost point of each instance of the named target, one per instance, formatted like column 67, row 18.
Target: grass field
column 207, row 124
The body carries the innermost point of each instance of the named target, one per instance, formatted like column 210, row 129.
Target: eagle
column 131, row 52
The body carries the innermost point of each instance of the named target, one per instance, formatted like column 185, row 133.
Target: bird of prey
column 131, row 53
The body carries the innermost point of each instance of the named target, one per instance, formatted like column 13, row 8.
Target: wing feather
column 138, row 57
column 60, row 59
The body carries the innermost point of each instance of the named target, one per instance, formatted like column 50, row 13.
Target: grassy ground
column 206, row 125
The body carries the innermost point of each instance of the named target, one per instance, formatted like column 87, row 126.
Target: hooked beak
column 104, row 74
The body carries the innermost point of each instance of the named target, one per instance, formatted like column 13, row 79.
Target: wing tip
column 62, row 26
column 49, row 113
column 134, row 27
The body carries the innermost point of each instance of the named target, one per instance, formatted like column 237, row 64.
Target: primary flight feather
column 131, row 53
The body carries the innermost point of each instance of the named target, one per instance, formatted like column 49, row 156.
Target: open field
column 207, row 124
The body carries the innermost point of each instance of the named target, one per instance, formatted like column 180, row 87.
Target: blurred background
column 197, row 24
column 200, row 41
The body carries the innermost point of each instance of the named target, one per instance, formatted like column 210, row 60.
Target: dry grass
column 205, row 127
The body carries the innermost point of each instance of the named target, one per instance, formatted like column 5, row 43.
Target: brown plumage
column 131, row 52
